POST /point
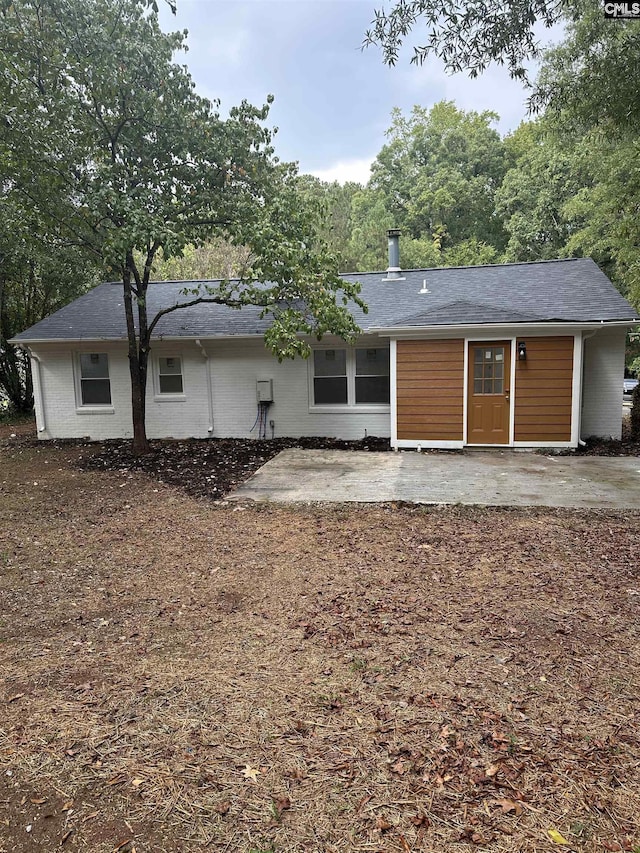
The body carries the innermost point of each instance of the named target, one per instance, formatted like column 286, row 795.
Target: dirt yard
column 180, row 674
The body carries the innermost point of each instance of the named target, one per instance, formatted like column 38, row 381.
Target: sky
column 333, row 100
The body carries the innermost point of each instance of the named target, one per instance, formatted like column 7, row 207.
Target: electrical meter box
column 264, row 390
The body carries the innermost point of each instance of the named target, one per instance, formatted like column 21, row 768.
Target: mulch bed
column 209, row 468
column 609, row 447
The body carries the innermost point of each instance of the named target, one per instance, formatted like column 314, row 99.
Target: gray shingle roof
column 572, row 290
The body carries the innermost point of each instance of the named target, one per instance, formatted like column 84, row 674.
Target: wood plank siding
column 430, row 390
column 543, row 393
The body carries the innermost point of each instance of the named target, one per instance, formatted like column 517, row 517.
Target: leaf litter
column 323, row 678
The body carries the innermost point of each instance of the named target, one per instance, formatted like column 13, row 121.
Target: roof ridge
column 382, row 272
column 476, row 266
column 182, row 281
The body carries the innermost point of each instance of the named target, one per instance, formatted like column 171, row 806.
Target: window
column 372, row 375
column 170, row 375
column 351, row 377
column 488, row 370
column 95, row 385
column 330, row 377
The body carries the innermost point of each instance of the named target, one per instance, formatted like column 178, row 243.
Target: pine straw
column 314, row 679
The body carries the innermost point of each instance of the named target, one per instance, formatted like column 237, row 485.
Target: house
column 516, row 355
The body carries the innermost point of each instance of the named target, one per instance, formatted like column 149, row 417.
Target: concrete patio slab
column 483, row 478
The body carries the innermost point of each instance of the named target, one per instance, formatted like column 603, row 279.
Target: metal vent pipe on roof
column 394, row 270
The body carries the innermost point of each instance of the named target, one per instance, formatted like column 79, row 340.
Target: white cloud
column 358, row 170
column 227, row 49
column 493, row 90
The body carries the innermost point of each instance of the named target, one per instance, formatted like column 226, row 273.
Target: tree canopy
column 38, row 275
column 590, row 79
column 436, row 179
column 467, row 35
column 439, row 172
column 108, row 139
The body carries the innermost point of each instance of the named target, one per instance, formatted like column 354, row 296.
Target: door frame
column 512, row 388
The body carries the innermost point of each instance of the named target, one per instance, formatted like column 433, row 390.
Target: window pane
column 330, row 362
column 326, row 391
column 477, row 386
column 488, row 371
column 488, row 386
column 94, row 365
column 498, row 371
column 497, row 386
column 95, row 391
column 170, row 365
column 171, row 384
column 477, row 370
column 372, row 362
column 372, row 389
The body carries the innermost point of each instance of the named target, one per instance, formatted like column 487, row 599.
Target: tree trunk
column 28, row 400
column 15, row 366
column 138, row 393
column 15, row 379
column 138, row 357
column 635, row 413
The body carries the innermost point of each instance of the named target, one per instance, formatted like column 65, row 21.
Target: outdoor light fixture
column 522, row 351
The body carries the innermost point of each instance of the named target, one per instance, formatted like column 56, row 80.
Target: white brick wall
column 62, row 416
column 234, row 367
column 603, row 372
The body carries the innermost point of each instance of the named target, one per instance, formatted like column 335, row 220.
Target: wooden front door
column 489, row 396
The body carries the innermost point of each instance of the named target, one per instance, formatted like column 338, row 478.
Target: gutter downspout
column 39, row 397
column 581, row 441
column 206, row 357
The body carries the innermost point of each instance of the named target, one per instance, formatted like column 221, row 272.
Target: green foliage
column 466, row 36
column 371, row 220
column 470, row 253
column 592, row 112
column 36, row 278
column 440, row 169
column 635, row 413
column 215, row 259
column 590, row 79
column 545, row 176
column 436, row 179
column 606, row 210
column 422, row 253
column 332, row 205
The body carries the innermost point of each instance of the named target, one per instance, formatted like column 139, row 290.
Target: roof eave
column 528, row 326
column 26, row 342
column 371, row 330
column 98, row 340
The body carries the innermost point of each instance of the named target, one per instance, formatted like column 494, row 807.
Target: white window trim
column 158, row 396
column 352, row 406
column 90, row 408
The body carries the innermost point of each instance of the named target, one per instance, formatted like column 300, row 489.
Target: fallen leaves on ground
column 393, row 677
